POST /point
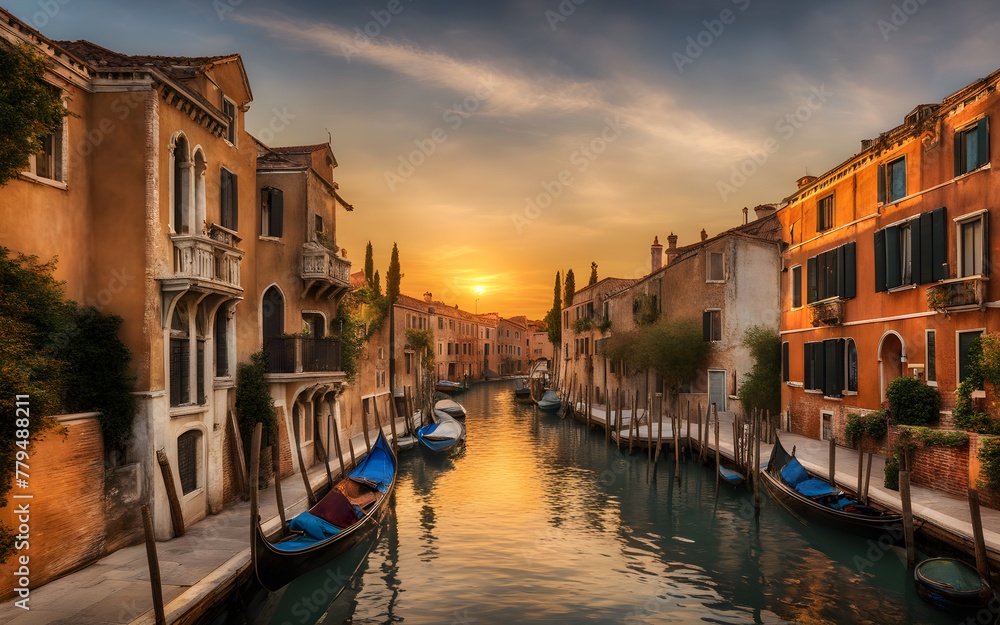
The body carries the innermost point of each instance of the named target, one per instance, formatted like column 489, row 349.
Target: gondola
column 951, row 583
column 451, row 408
column 349, row 512
column 451, row 388
column 789, row 484
column 549, row 401
column 443, row 435
column 522, row 393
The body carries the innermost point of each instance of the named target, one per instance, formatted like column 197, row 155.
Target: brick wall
column 939, row 467
column 230, row 488
column 67, row 521
column 285, row 449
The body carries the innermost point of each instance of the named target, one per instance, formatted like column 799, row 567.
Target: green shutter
column 277, row 212
column 784, row 362
column 881, row 183
column 893, row 277
column 819, row 366
column 812, row 292
column 926, row 250
column 234, row 202
column 939, row 218
column 879, row 261
column 983, row 130
column 807, row 364
column 841, row 272
column 706, row 326
column 850, row 270
column 833, row 364
column 959, row 170
column 916, row 248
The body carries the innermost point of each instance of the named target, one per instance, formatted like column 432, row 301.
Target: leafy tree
column 108, row 388
column 254, row 403
column 421, row 342
column 761, row 388
column 593, row 274
column 553, row 319
column 30, row 110
column 376, row 286
column 369, row 265
column 393, row 277
column 569, row 289
column 351, row 331
column 675, row 350
column 912, row 403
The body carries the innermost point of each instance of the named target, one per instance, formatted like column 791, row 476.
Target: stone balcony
column 957, row 294
column 827, row 312
column 209, row 262
column 325, row 270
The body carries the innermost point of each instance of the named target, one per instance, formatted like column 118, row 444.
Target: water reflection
column 538, row 520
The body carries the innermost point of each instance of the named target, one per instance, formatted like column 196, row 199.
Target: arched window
column 187, row 460
column 199, row 190
column 180, row 357
column 273, row 309
column 182, row 170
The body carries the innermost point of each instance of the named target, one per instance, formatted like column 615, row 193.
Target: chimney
column 427, row 297
column 671, row 248
column 805, row 181
column 704, row 235
column 656, row 251
column 765, row 210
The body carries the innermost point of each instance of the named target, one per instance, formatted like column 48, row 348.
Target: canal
column 537, row 521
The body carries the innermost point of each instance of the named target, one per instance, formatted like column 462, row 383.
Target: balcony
column 210, row 261
column 324, row 269
column 299, row 354
column 827, row 312
column 957, row 294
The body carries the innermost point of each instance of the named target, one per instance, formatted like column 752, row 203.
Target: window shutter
column 939, row 218
column 983, row 130
column 812, row 288
column 224, row 198
column 797, row 287
column 916, row 250
column 879, row 261
column 893, row 276
column 784, row 362
column 234, row 202
column 706, row 325
column 986, row 244
column 277, row 212
column 200, row 372
column 841, row 258
column 819, row 366
column 850, row 270
column 959, row 170
column 807, row 363
column 831, row 382
column 926, row 250
column 881, row 183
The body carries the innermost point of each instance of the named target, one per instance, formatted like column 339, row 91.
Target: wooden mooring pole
column 756, row 462
column 861, row 458
column 176, row 516
column 982, row 563
column 717, row 450
column 276, row 465
column 154, row 567
column 868, row 479
column 904, row 495
column 310, row 495
column 340, row 452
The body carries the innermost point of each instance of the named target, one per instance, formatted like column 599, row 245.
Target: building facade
column 914, row 206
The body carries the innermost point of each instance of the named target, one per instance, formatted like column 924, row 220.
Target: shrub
column 761, row 388
column 892, row 472
column 873, row 425
column 989, row 459
column 254, row 403
column 912, row 403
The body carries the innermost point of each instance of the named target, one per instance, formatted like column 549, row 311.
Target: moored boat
column 522, row 392
column 951, row 583
column 444, row 386
column 730, row 477
column 451, row 408
column 789, row 484
column 443, row 435
column 343, row 517
column 549, row 401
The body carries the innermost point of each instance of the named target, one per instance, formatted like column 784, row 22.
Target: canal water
column 538, row 521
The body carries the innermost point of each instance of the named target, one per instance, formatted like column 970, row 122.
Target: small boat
column 406, row 442
column 443, row 435
column 730, row 477
column 549, row 401
column 444, row 386
column 789, row 484
column 343, row 517
column 522, row 392
column 451, row 408
column 951, row 583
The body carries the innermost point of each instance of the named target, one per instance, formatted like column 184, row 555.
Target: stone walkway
column 116, row 589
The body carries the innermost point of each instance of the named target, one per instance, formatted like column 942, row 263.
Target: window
column 716, row 271
column 182, row 171
column 972, row 249
column 827, row 424
column 912, row 252
column 440, row 349
column 440, row 323
column 229, row 110
column 972, row 147
column 272, row 209
column 221, row 343
column 319, row 224
column 965, row 340
column 305, row 423
column 407, row 359
column 465, row 349
column 832, row 274
column 381, row 353
column 852, row 366
column 449, row 349
column 187, row 460
column 785, row 376
column 796, row 286
column 711, row 322
column 825, row 367
column 48, row 163
column 451, row 324
column 794, row 233
column 273, row 312
column 824, row 213
column 930, row 355
column 892, row 177
column 229, row 193
column 180, row 358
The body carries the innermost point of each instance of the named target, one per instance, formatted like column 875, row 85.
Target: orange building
column 886, row 269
